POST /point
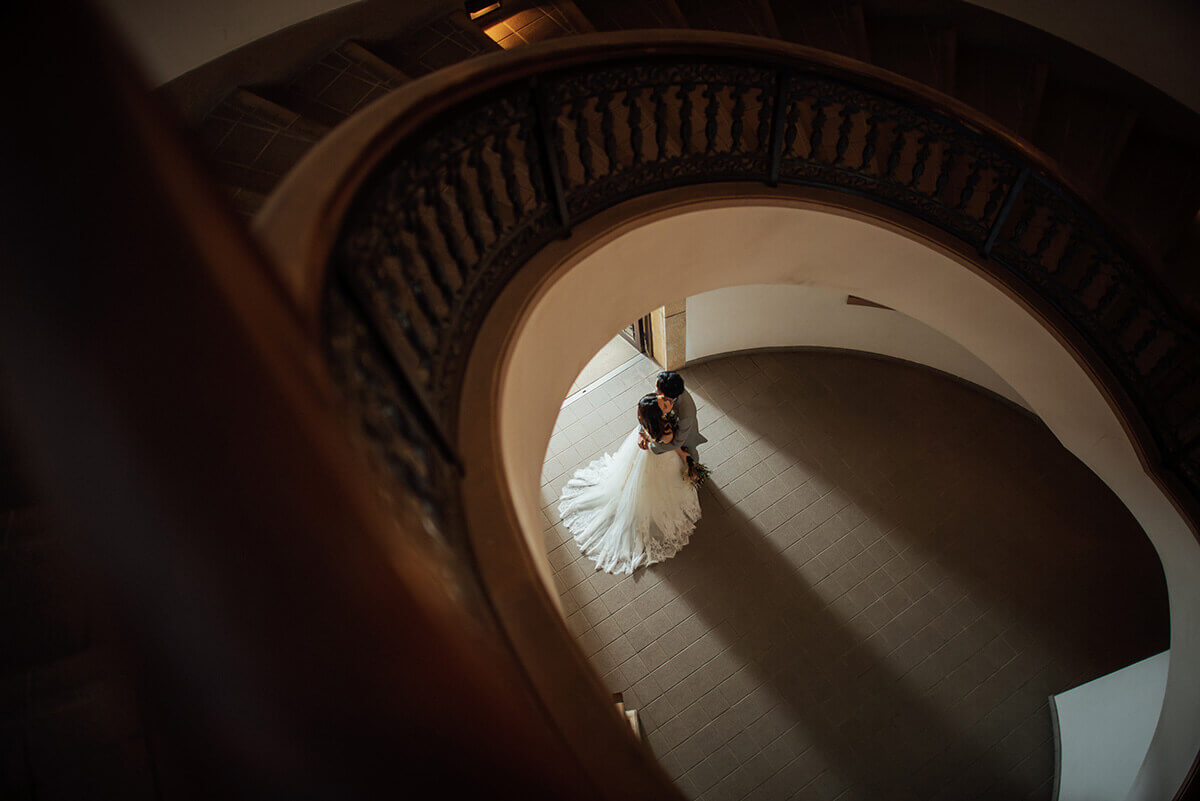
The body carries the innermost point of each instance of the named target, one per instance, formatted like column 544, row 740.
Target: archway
column 580, row 290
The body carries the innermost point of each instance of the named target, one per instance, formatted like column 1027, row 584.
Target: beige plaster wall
column 1153, row 39
column 690, row 249
column 764, row 316
column 170, row 37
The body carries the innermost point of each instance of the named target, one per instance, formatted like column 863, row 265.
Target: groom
column 672, row 397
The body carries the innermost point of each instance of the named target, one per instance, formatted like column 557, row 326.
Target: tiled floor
column 531, row 25
column 610, row 357
column 893, row 572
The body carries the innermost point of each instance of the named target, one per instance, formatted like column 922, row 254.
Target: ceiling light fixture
column 479, row 8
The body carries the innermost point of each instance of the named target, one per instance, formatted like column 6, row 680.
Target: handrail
column 427, row 204
column 465, row 209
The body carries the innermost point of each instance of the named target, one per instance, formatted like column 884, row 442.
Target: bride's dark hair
column 651, row 417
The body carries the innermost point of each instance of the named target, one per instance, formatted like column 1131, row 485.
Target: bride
column 635, row 508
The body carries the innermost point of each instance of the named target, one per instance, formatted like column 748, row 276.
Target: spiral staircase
column 1126, row 146
column 376, row 262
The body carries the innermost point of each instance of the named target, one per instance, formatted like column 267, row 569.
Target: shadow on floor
column 1029, row 550
column 854, row 713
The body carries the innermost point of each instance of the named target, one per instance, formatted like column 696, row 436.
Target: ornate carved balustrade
column 448, row 212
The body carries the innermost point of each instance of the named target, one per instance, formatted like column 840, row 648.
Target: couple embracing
column 640, row 506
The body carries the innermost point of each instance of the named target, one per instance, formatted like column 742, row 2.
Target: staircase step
column 1155, row 188
column 921, row 48
column 734, row 16
column 439, row 44
column 254, row 141
column 535, row 24
column 1003, row 85
column 620, row 15
column 575, row 16
column 1085, row 131
column 343, row 81
column 833, row 25
column 245, row 202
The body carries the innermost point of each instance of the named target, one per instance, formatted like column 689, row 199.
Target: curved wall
column 769, row 316
column 1153, row 39
column 679, row 247
column 171, row 37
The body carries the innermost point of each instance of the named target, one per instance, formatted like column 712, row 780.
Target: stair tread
column 833, row 25
column 1084, row 131
column 619, row 15
column 253, row 140
column 535, row 24
column 438, row 44
column 735, row 16
column 1005, row 86
column 921, row 48
column 344, row 80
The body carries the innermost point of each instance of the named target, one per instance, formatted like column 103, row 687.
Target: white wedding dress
column 632, row 509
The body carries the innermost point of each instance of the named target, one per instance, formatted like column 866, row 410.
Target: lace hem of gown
column 660, row 538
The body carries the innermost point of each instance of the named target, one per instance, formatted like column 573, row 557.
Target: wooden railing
column 452, row 198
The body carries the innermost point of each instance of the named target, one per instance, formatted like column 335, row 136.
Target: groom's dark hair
column 670, row 384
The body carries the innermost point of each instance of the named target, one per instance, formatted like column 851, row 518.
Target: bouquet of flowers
column 697, row 473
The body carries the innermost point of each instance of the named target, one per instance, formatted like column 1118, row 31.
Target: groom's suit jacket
column 686, row 432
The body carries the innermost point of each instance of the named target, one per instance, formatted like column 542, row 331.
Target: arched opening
column 660, row 248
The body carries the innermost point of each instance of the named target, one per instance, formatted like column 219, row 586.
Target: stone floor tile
column 880, row 595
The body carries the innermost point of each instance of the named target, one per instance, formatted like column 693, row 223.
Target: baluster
column 792, row 131
column 765, row 113
column 606, row 130
column 660, row 121
column 711, row 91
column 635, row 122
column 872, row 140
column 396, row 247
column 465, row 208
column 818, row 131
column 508, row 171
column 414, row 221
column 1143, row 342
column 1124, row 321
column 685, row 118
column 1067, row 260
column 1048, row 234
column 968, row 190
column 533, row 159
column 923, row 154
column 899, row 141
column 1109, row 296
column 952, row 155
column 843, row 140
column 582, row 142
column 374, row 296
column 483, row 177
column 396, row 297
column 445, row 226
column 1023, row 222
column 739, row 124
column 995, row 197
